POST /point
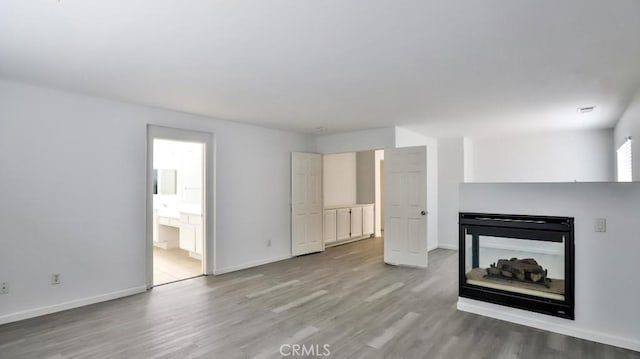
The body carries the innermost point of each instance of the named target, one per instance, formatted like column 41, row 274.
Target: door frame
column 209, row 206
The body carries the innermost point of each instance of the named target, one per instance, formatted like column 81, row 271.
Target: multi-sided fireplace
column 525, row 262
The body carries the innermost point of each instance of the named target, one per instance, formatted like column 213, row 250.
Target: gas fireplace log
column 526, row 270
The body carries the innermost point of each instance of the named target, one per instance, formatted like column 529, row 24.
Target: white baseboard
column 524, row 318
column 250, row 265
column 448, row 246
column 36, row 312
column 350, row 240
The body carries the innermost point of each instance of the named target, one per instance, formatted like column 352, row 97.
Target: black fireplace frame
column 541, row 228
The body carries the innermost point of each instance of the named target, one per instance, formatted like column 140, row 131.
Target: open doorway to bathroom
column 180, row 204
column 178, row 209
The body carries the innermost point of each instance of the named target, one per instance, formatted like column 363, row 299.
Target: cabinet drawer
column 171, row 222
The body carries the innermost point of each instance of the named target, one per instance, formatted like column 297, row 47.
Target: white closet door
column 405, row 206
column 306, row 208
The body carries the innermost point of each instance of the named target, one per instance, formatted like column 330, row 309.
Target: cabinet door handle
column 423, row 213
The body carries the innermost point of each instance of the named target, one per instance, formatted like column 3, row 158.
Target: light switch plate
column 600, row 224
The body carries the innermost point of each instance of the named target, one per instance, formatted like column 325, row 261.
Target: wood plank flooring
column 345, row 297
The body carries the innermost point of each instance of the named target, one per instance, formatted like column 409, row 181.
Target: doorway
column 335, row 199
column 362, row 193
column 179, row 205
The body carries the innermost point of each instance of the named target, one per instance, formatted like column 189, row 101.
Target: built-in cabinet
column 343, row 228
column 191, row 233
column 356, row 222
column 368, row 215
column 348, row 223
column 184, row 232
column 330, row 226
column 165, row 231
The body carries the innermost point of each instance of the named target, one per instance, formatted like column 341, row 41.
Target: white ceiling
column 444, row 67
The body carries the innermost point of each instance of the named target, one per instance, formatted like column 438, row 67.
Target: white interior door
column 405, row 195
column 306, row 197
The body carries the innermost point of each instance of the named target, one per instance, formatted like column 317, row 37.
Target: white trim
column 448, row 246
column 32, row 313
column 523, row 317
column 251, row 264
column 345, row 241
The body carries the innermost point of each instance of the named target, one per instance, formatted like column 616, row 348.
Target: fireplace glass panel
column 525, row 266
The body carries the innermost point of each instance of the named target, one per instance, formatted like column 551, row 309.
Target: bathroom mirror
column 165, row 181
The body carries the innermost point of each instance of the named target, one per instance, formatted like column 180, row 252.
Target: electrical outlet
column 55, row 279
column 269, row 243
column 4, row 288
column 600, row 224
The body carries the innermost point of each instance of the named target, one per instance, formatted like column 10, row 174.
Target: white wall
column 450, row 174
column 186, row 159
column 407, row 138
column 583, row 156
column 373, row 139
column 73, row 190
column 629, row 125
column 467, row 145
column 544, row 157
column 365, row 177
column 607, row 294
column 339, row 179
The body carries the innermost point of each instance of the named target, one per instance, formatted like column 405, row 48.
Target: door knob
column 423, row 213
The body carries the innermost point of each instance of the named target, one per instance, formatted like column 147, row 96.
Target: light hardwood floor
column 345, row 297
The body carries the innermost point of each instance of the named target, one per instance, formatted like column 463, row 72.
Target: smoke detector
column 584, row 110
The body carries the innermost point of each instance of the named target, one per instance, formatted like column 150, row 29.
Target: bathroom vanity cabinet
column 182, row 230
